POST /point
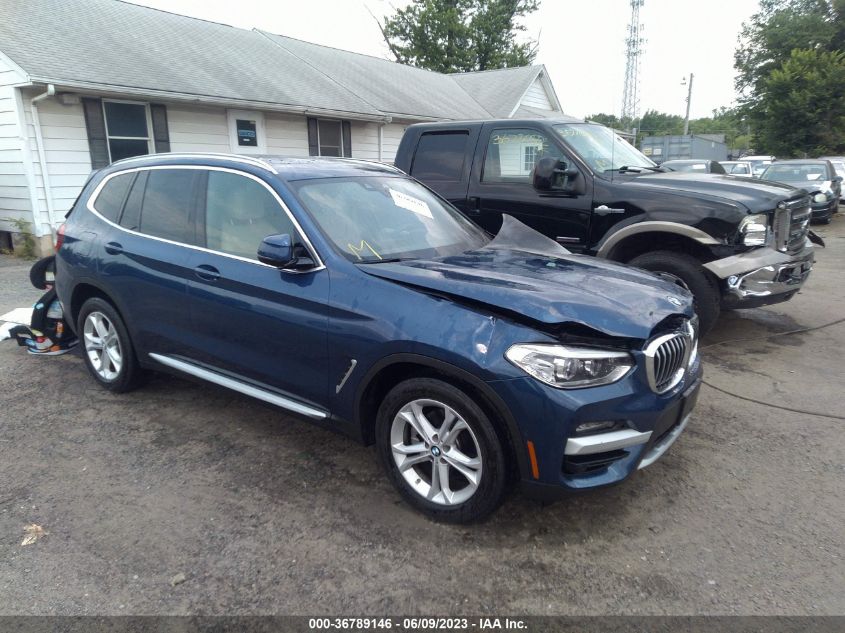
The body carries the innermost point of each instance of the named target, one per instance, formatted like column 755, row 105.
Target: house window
column 127, row 129
column 530, row 158
column 328, row 137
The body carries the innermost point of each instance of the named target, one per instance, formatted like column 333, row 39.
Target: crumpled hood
column 612, row 298
column 754, row 194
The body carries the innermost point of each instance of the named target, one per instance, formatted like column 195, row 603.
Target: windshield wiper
column 635, row 169
column 389, row 260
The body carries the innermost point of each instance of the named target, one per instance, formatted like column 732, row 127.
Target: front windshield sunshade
column 602, row 148
column 373, row 219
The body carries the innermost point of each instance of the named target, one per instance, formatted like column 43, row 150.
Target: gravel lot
column 266, row 515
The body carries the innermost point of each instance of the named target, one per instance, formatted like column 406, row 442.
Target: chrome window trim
column 313, row 251
column 247, row 160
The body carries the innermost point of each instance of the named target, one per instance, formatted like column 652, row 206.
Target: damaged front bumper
column 763, row 276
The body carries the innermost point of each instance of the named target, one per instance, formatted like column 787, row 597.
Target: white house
column 87, row 82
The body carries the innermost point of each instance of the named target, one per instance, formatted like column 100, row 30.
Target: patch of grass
column 25, row 248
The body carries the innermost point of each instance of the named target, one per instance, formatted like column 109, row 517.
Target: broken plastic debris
column 33, row 533
column 517, row 236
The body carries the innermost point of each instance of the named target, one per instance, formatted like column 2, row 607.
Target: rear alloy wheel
column 109, row 354
column 441, row 451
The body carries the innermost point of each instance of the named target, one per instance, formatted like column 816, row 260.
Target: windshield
column 378, row 218
column 795, row 172
column 601, row 147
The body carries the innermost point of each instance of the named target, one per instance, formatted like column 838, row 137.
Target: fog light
column 597, row 427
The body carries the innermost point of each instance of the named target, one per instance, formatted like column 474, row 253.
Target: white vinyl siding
column 197, row 129
column 391, row 136
column 66, row 151
column 536, row 97
column 287, row 134
column 15, row 200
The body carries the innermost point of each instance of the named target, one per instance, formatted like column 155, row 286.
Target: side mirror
column 281, row 252
column 837, row 179
column 551, row 174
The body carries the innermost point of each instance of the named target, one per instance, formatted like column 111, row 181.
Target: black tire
column 128, row 376
column 688, row 270
column 491, row 486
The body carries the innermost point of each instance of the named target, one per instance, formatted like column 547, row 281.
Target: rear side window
column 241, row 212
column 440, row 156
column 131, row 218
column 168, row 201
column 110, row 200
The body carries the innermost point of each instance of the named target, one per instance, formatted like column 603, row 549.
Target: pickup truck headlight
column 823, row 196
column 567, row 367
column 754, row 229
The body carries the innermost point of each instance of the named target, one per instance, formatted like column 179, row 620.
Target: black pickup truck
column 733, row 242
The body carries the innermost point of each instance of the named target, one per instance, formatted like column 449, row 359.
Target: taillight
column 60, row 237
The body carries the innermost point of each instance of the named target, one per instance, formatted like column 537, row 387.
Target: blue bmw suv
column 348, row 294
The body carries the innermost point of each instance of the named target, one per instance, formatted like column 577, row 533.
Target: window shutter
column 95, row 124
column 313, row 142
column 161, row 134
column 346, row 129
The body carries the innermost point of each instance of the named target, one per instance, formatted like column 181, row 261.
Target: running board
column 240, row 386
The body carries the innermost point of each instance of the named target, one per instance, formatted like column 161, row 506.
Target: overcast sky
column 582, row 43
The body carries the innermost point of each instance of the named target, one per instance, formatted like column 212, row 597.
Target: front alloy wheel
column 436, row 452
column 102, row 345
column 441, row 450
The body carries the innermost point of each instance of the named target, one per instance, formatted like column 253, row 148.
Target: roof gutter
column 42, row 156
column 268, row 106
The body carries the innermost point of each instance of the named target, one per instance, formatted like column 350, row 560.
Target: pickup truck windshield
column 602, row 148
column 381, row 218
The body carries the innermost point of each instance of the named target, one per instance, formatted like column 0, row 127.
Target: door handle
column 113, row 248
column 606, row 210
column 473, row 205
column 207, row 273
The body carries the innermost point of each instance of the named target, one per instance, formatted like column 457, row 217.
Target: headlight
column 754, row 229
column 570, row 367
column 820, row 197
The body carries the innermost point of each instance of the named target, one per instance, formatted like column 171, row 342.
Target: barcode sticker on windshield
column 410, row 203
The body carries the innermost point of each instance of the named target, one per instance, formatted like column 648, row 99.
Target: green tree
column 460, row 35
column 654, row 123
column 782, row 40
column 804, row 102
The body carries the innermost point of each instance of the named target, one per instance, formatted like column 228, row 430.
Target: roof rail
column 247, row 160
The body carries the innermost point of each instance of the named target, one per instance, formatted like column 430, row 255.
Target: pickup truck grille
column 791, row 224
column 667, row 357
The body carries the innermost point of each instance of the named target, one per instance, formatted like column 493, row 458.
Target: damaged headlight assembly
column 566, row 367
column 754, row 229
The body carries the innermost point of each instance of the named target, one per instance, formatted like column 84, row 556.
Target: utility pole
column 634, row 44
column 689, row 99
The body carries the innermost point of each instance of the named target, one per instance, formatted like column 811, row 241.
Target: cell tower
column 634, row 44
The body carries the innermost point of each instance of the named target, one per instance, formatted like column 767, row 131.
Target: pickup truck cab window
column 441, row 156
column 512, row 153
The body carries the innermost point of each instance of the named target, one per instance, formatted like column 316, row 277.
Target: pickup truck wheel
column 109, row 354
column 440, row 451
column 686, row 271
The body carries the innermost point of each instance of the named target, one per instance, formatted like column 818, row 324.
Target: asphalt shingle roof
column 109, row 44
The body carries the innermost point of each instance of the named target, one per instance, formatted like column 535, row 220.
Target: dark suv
column 347, row 293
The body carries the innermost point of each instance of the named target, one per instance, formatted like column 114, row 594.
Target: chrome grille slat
column 666, row 358
column 791, row 224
